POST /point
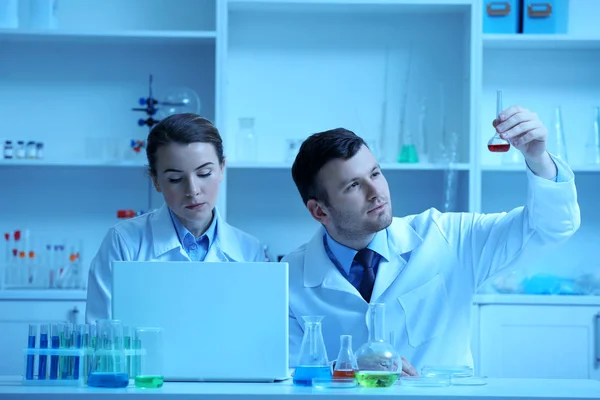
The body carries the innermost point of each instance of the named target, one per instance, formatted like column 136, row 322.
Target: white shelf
column 43, row 294
column 540, row 42
column 521, row 168
column 375, row 5
column 530, row 299
column 384, row 166
column 82, row 163
column 147, row 36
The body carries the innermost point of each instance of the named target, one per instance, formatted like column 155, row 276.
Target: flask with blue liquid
column 109, row 363
column 312, row 360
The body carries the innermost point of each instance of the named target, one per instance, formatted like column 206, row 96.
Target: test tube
column 65, row 343
column 43, row 346
column 30, row 357
column 55, row 344
column 127, row 346
column 78, row 335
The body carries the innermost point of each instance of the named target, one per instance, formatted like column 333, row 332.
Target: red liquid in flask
column 343, row 373
column 499, row 148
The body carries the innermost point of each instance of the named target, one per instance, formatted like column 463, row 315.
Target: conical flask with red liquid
column 496, row 144
column 345, row 364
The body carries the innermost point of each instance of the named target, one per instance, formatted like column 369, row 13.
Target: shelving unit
column 297, row 67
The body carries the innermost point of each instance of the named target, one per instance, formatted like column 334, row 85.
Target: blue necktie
column 364, row 258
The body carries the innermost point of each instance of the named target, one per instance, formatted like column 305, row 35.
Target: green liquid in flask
column 149, row 381
column 372, row 379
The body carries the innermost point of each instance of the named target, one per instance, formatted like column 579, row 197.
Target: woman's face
column 188, row 176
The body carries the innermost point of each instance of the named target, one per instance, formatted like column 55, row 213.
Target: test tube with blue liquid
column 42, row 365
column 56, row 332
column 30, row 357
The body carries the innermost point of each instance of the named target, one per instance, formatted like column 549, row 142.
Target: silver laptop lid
column 221, row 321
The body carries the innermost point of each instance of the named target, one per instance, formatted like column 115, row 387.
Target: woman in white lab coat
column 186, row 164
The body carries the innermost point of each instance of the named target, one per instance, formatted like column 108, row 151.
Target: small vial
column 30, row 150
column 8, row 149
column 20, row 149
column 39, row 150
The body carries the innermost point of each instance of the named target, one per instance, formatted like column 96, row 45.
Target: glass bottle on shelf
column 245, row 142
column 8, row 149
column 20, row 150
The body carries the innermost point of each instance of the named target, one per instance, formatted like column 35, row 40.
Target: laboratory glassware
column 559, row 141
column 20, row 151
column 246, row 145
column 379, row 364
column 149, row 371
column 109, row 366
column 30, row 345
column 8, row 149
column 312, row 360
column 345, row 364
column 496, row 144
column 43, row 362
column 592, row 147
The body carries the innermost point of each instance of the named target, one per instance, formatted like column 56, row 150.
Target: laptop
column 222, row 322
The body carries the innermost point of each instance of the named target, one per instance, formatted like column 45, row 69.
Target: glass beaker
column 149, row 371
column 496, row 144
column 592, row 147
column 246, row 145
column 109, row 363
column 312, row 360
column 345, row 364
column 379, row 364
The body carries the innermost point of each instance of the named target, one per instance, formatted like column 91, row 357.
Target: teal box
column 502, row 16
column 548, row 16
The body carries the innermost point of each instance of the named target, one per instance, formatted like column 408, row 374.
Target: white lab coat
column 152, row 237
column 428, row 300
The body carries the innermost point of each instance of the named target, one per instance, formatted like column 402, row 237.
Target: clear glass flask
column 379, row 364
column 592, row 147
column 109, row 363
column 345, row 364
column 246, row 144
column 312, row 360
column 496, row 144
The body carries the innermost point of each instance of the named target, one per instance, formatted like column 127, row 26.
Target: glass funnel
column 496, row 144
column 312, row 360
column 379, row 364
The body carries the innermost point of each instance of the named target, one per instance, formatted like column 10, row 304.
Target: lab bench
column 522, row 389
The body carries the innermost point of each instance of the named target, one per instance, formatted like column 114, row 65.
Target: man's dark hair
column 315, row 152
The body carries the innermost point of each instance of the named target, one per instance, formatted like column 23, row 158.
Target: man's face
column 358, row 196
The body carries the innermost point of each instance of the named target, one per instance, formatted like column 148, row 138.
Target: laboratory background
column 418, row 80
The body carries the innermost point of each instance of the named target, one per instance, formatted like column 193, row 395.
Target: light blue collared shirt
column 343, row 257
column 195, row 248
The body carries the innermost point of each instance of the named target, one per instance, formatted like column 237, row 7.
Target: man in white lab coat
column 426, row 267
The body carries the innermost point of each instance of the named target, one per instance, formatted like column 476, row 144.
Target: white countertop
column 43, row 294
column 522, row 389
column 531, row 299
